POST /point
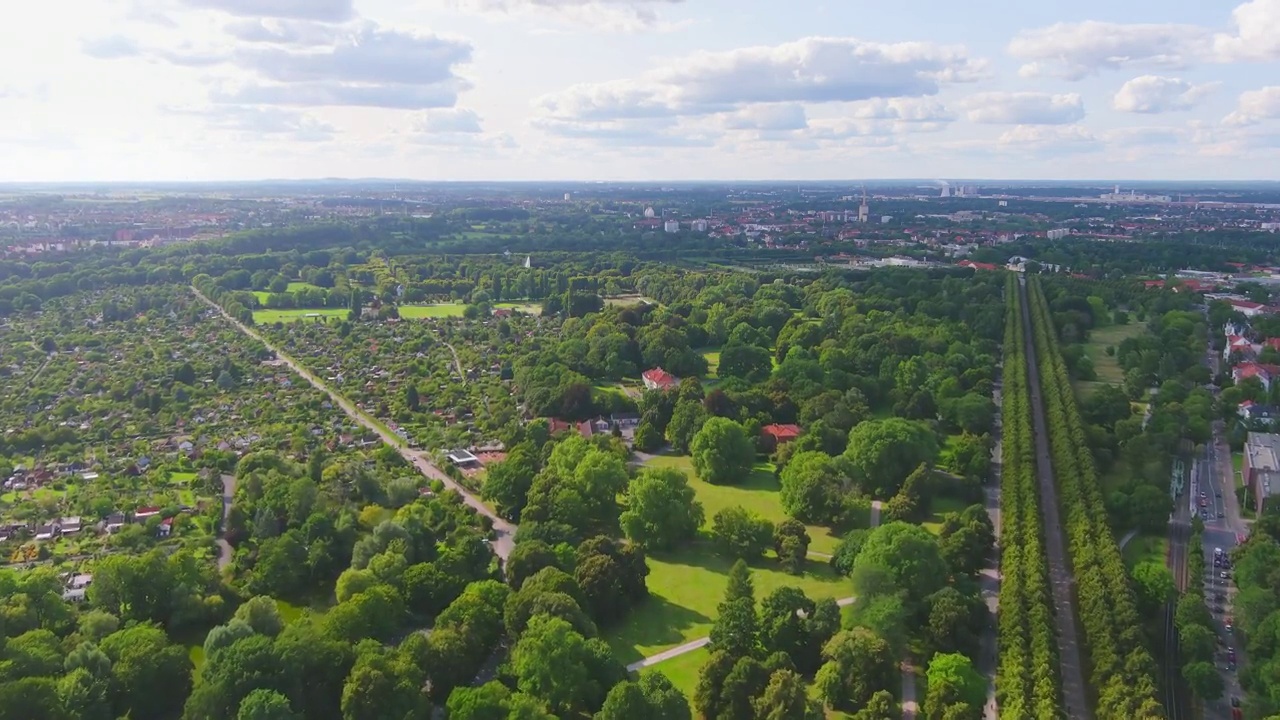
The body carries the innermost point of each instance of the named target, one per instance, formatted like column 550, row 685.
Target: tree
column 748, row 362
column 812, row 485
column 882, row 453
column 881, row 706
column 226, row 381
column 411, row 399
column 686, row 421
column 384, row 684
column 611, row 577
column 741, row 533
column 507, row 483
column 791, row 543
column 955, row 621
column 647, row 437
column 661, row 509
column 31, row 698
column 266, row 705
column 491, row 701
column 1204, row 680
column 653, row 697
column 910, row 554
column 1153, row 584
column 527, row 558
column 734, row 631
column 909, row 504
column 786, row 698
column 952, row 680
column 556, row 664
column 152, row 676
column 722, row 452
column 262, row 614
column 858, row 664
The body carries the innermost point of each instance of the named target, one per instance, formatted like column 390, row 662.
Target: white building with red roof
column 659, row 379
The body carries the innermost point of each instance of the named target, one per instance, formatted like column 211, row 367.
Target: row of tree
column 1027, row 678
column 1123, row 671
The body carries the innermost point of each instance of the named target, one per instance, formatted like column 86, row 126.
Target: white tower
column 863, row 210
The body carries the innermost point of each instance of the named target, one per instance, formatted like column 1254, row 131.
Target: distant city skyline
column 635, row 90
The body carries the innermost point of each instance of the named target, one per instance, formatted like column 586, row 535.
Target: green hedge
column 1123, row 673
column 1027, row 677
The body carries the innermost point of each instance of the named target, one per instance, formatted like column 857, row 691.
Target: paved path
column 1127, row 538
column 228, row 496
column 1061, row 580
column 910, row 707
column 989, row 578
column 692, row 645
column 875, row 513
column 504, row 532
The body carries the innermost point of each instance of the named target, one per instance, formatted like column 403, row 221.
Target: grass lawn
column 1237, row 466
column 196, row 653
column 300, row 286
column 941, row 506
column 1107, row 366
column 713, row 362
column 526, row 308
column 758, row 494
column 181, row 478
column 187, row 497
column 418, row 312
column 263, row 317
column 686, row 586
column 1145, row 548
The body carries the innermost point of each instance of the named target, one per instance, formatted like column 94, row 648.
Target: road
column 228, row 496
column 504, row 532
column 462, row 376
column 1061, row 582
column 910, row 706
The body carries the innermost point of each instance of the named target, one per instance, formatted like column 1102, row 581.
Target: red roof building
column 776, row 435
column 978, row 265
column 659, row 379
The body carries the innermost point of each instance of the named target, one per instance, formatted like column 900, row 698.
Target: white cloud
column 324, row 10
column 286, row 32
column 768, row 117
column 810, row 70
column 110, row 47
column 1255, row 36
column 448, row 120
column 257, row 123
column 630, row 132
column 1076, row 50
column 1023, row 108
column 1155, row 94
column 1070, row 138
column 610, row 15
column 907, row 110
column 1255, row 106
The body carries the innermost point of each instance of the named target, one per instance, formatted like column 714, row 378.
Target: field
column 528, row 308
column 686, row 586
column 1107, row 366
column 758, row 494
column 418, row 312
column 265, row 317
column 1145, row 548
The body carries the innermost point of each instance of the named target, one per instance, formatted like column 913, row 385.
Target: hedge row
column 1122, row 671
column 1027, row 677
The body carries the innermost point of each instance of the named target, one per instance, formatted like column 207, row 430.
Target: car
column 1217, row 562
column 1217, row 493
column 1221, row 514
column 1235, row 702
column 1220, row 597
column 1224, row 575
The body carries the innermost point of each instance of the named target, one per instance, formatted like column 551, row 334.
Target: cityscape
column 639, row 360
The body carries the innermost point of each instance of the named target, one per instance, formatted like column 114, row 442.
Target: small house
column 115, row 522
column 659, row 379
column 69, row 525
column 143, row 514
column 45, row 532
column 775, row 436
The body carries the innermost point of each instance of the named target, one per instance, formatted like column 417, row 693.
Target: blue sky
column 639, row 89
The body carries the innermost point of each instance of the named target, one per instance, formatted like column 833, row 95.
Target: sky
column 187, row 90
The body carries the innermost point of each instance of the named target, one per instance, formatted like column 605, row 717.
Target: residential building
column 144, row 514
column 659, row 379
column 774, row 436
column 464, row 459
column 69, row 525
column 1257, row 413
column 699, row 226
column 1246, row 370
column 1261, row 466
column 1248, row 308
column 1058, row 233
column 115, row 522
column 1238, row 344
column 671, row 226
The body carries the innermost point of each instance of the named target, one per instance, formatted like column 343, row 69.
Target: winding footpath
column 504, row 532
